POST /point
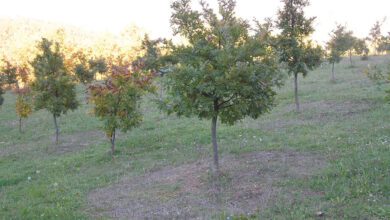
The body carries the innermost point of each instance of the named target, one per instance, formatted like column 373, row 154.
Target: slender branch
column 224, row 102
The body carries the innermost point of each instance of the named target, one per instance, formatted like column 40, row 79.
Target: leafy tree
column 296, row 51
column 361, row 48
column 349, row 44
column 157, row 58
column 9, row 73
column 337, row 46
column 53, row 87
column 85, row 71
column 380, row 77
column 117, row 100
column 223, row 71
column 23, row 105
column 375, row 35
column 384, row 44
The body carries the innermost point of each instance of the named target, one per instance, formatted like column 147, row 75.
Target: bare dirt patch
column 76, row 141
column 67, row 143
column 190, row 191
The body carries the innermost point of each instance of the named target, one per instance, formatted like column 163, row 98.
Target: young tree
column 117, row 100
column 375, row 35
column 157, row 58
column 223, row 71
column 361, row 48
column 380, row 77
column 337, row 46
column 23, row 105
column 9, row 73
column 53, row 87
column 384, row 44
column 85, row 71
column 295, row 50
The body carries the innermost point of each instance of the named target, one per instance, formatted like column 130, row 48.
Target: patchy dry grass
column 190, row 191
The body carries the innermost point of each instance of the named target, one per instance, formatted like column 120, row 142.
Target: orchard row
column 225, row 70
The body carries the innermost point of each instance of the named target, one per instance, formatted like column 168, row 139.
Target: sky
column 153, row 15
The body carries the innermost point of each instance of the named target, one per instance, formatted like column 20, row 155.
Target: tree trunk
column 55, row 122
column 333, row 72
column 215, row 146
column 20, row 125
column 113, row 142
column 350, row 57
column 296, row 91
column 161, row 92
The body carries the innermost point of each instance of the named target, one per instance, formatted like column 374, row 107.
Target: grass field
column 333, row 157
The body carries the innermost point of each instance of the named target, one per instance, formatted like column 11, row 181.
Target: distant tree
column 361, row 48
column 296, row 51
column 350, row 44
column 384, row 44
column 157, row 58
column 336, row 46
column 9, row 73
column 86, row 70
column 380, row 76
column 23, row 105
column 375, row 35
column 53, row 87
column 223, row 71
column 117, row 100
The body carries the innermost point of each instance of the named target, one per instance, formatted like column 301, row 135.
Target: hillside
column 332, row 157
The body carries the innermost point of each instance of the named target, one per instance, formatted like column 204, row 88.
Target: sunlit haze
column 153, row 15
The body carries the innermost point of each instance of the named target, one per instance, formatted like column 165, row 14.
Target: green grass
column 344, row 122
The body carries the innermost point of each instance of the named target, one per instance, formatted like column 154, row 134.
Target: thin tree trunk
column 333, row 72
column 113, row 142
column 161, row 92
column 350, row 57
column 55, row 122
column 296, row 91
column 20, row 125
column 215, row 146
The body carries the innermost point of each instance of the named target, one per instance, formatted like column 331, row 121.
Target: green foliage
column 85, row 71
column 379, row 76
column 361, row 48
column 53, row 88
column 337, row 45
column 9, row 73
column 296, row 51
column 384, row 44
column 223, row 71
column 157, row 57
column 23, row 105
column 375, row 35
column 117, row 100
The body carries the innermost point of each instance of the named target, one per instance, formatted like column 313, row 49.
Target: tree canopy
column 375, row 35
column 117, row 100
column 53, row 87
column 223, row 71
column 296, row 50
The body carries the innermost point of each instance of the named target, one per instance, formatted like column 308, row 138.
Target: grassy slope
column 343, row 121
